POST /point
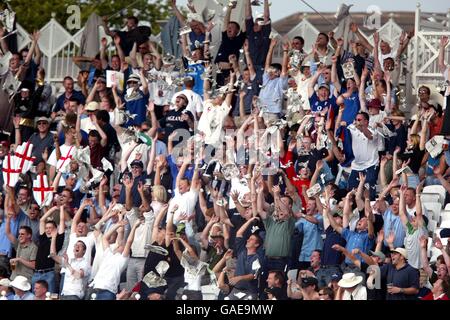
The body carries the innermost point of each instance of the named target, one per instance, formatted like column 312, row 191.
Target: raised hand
column 444, row 41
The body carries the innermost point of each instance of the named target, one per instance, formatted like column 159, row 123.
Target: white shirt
column 195, row 102
column 211, row 121
column 373, row 120
column 302, row 89
column 108, row 275
column 73, row 286
column 186, row 204
column 143, row 233
column 61, row 165
column 360, row 293
column 364, row 150
column 89, row 241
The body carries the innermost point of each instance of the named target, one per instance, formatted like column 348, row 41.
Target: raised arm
column 442, row 44
column 226, row 20
column 130, row 239
column 285, row 62
column 157, row 222
column 402, row 206
column 334, row 75
column 44, row 219
column 364, row 42
column 62, row 225
column 176, row 11
column 268, row 62
column 241, row 231
column 424, row 256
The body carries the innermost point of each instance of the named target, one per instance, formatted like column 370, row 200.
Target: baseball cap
column 374, row 103
column 336, row 277
column 137, row 163
column 338, row 213
column 134, row 77
column 309, row 281
column 5, row 282
column 324, row 85
column 378, row 254
column 92, row 106
column 43, row 119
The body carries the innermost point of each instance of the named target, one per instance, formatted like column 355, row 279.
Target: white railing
column 58, row 47
column 424, row 49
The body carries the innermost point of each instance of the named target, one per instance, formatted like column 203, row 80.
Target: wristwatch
column 402, row 290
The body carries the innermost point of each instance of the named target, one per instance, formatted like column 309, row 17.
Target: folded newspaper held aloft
column 314, row 190
column 436, row 145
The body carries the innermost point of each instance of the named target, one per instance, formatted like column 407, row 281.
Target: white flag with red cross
column 10, row 170
column 42, row 192
column 24, row 158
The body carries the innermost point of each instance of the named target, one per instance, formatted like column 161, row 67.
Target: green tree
column 33, row 15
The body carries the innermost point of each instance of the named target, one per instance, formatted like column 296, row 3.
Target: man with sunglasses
column 365, row 150
column 42, row 139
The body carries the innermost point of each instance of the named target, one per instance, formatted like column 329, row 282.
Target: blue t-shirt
column 138, row 106
column 318, row 106
column 195, row 71
column 352, row 107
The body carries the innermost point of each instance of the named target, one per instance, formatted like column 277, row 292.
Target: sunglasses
column 42, row 122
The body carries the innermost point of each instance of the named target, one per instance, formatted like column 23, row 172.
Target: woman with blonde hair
column 159, row 198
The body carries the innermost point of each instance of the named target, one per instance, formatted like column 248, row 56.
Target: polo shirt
column 278, row 237
column 360, row 240
column 245, row 265
column 27, row 252
column 329, row 255
column 39, row 145
column 405, row 277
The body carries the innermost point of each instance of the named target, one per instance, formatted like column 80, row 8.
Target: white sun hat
column 349, row 280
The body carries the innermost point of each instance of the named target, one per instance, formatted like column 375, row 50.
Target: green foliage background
column 33, row 15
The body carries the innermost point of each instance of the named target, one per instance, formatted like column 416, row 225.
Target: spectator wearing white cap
column 6, row 291
column 42, row 139
column 21, row 287
column 402, row 279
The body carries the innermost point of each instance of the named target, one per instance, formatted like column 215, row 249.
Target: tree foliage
column 33, row 15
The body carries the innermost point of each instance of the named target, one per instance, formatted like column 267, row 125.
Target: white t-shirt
column 211, row 121
column 302, row 89
column 108, row 275
column 89, row 241
column 364, row 150
column 195, row 104
column 73, row 286
column 63, row 163
column 186, row 204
